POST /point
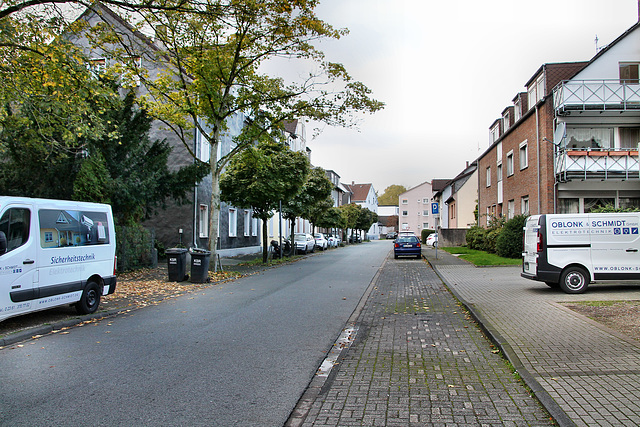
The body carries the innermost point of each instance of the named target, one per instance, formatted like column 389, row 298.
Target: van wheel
column 90, row 299
column 574, row 280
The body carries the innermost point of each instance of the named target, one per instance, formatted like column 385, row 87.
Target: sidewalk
column 416, row 359
column 584, row 373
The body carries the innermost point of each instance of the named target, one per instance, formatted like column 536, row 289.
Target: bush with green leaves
column 475, row 237
column 509, row 242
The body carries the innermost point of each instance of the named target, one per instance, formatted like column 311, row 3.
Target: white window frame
column 405, row 201
column 523, row 154
column 524, row 205
column 488, row 176
column 254, row 225
column 510, row 163
column 405, row 213
column 233, row 222
column 511, row 208
column 203, row 221
column 247, row 223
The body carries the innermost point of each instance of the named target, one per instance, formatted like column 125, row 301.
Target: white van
column 572, row 250
column 54, row 252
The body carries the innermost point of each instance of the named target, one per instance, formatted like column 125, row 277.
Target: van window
column 15, row 224
column 61, row 228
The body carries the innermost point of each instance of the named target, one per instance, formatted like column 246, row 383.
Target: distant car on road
column 392, row 235
column 321, row 242
column 407, row 246
column 334, row 241
column 432, row 239
column 304, row 242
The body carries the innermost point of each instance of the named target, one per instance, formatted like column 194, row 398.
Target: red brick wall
column 523, row 182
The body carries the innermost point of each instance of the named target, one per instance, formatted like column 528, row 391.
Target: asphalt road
column 241, row 353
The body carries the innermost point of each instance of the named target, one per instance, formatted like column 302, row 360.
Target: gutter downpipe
column 538, row 151
column 195, row 190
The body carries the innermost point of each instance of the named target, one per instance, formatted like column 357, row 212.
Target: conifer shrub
column 509, row 242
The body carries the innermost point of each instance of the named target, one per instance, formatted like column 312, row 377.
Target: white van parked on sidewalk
column 572, row 250
column 54, row 252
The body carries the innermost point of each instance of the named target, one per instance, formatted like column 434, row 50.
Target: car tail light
column 539, row 242
column 115, row 264
column 418, row 244
column 396, row 245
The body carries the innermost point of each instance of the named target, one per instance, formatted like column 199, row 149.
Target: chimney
column 468, row 160
column 354, row 183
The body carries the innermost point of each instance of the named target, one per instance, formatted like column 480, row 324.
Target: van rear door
column 530, row 249
column 18, row 272
column 615, row 246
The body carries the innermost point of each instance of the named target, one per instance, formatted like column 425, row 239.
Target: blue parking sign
column 435, row 208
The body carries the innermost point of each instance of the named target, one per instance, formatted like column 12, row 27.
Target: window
column 203, row 221
column 524, row 155
column 593, row 138
column 405, row 225
column 505, row 121
column 405, row 201
column 489, row 176
column 247, row 223
column 48, row 236
column 425, row 212
column 510, row 163
column 499, row 152
column 569, row 205
column 425, row 225
column 499, row 173
column 511, row 207
column 254, row 226
column 233, row 222
column 524, row 205
column 203, row 146
column 629, row 138
column 629, row 72
column 494, row 133
column 15, row 224
column 452, row 210
column 536, row 91
column 405, row 213
column 518, row 109
column 425, row 201
column 98, row 66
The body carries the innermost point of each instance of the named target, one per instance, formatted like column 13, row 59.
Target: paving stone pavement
column 417, row 359
column 592, row 372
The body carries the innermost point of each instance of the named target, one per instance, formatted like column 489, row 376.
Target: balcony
column 596, row 95
column 604, row 164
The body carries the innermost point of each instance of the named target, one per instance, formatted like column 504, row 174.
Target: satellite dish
column 559, row 133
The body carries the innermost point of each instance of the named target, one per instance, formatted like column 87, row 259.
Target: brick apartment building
column 570, row 142
column 516, row 173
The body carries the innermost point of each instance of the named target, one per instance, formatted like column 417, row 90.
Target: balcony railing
column 597, row 164
column 598, row 95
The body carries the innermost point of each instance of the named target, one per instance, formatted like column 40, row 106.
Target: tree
column 350, row 214
column 259, row 177
column 310, row 200
column 214, row 54
column 391, row 194
column 331, row 218
column 365, row 220
column 120, row 166
column 139, row 180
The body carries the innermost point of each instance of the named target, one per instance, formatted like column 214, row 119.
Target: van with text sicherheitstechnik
column 55, row 252
column 573, row 250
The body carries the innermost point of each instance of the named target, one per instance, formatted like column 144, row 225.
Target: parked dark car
column 407, row 246
column 392, row 235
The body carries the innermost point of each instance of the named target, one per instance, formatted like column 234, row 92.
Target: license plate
column 408, row 246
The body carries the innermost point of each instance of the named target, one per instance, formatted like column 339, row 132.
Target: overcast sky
column 446, row 70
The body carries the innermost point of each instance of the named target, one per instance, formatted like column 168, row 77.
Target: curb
column 302, row 409
column 545, row 399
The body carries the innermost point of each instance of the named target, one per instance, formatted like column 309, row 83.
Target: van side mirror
column 3, row 243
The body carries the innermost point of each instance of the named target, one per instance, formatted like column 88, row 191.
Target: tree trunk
column 265, row 248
